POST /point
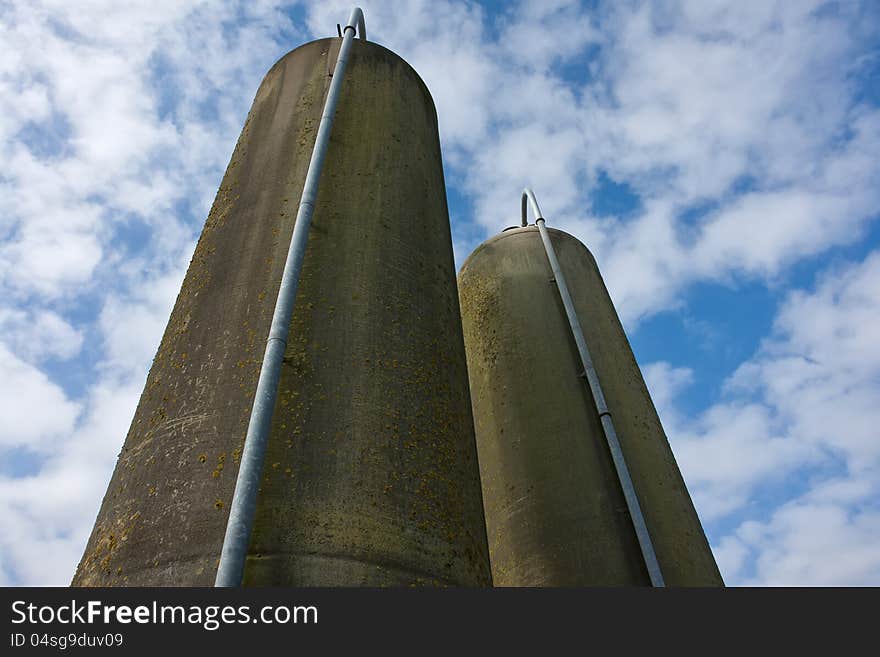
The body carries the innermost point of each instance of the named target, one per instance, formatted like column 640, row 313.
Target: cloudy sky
column 721, row 160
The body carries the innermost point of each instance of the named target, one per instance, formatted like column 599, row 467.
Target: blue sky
column 721, row 160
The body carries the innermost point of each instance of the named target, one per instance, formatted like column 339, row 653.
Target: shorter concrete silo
column 555, row 511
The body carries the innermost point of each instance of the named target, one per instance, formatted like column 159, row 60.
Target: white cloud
column 808, row 544
column 39, row 334
column 47, row 516
column 821, row 370
column 733, row 450
column 665, row 383
column 805, row 404
column 35, row 411
column 530, row 33
column 698, row 83
column 132, row 325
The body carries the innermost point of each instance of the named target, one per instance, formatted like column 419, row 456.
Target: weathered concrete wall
column 555, row 512
column 371, row 475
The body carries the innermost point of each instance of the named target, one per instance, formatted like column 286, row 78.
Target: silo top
column 359, row 46
column 520, row 230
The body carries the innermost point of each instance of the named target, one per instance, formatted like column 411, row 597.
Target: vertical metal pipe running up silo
column 623, row 475
column 244, row 500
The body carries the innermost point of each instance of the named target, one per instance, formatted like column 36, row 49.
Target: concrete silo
column 370, row 474
column 556, row 512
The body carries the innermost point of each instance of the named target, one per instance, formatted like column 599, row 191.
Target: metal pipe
column 629, row 493
column 528, row 196
column 244, row 500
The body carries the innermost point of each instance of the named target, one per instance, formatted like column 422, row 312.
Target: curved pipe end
column 528, row 197
column 356, row 21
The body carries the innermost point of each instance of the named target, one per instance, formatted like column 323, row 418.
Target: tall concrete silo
column 370, row 474
column 556, row 513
